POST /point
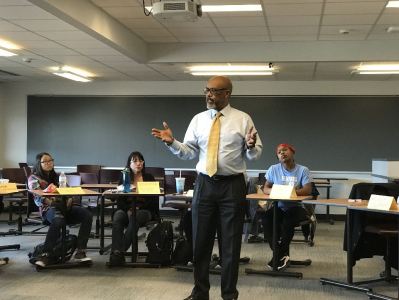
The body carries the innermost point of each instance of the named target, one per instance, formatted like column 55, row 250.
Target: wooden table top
column 5, row 193
column 262, row 196
column 84, row 192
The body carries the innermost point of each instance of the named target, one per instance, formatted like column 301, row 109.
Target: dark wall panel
column 330, row 133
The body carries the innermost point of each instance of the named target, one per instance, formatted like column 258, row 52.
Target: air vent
column 6, row 73
column 174, row 6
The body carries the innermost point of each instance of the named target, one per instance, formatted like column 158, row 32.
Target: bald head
column 223, row 82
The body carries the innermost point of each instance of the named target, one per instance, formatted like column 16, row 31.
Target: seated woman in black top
column 53, row 212
column 147, row 210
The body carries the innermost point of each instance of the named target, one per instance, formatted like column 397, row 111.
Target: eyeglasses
column 136, row 161
column 47, row 161
column 215, row 91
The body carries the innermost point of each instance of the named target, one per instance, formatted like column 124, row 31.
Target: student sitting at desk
column 287, row 172
column 44, row 177
column 147, row 210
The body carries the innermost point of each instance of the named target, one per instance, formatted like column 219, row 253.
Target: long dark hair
column 135, row 154
column 50, row 177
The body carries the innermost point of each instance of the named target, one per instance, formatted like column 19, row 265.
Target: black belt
column 221, row 177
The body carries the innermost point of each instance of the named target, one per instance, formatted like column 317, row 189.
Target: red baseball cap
column 286, row 146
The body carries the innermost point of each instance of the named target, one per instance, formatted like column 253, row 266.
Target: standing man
column 222, row 137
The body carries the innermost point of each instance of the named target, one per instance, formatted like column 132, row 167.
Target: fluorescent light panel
column 377, row 72
column 394, row 4
column 8, row 45
column 240, row 73
column 376, row 69
column 230, row 8
column 6, row 53
column 241, row 70
column 230, row 68
column 72, row 76
column 72, row 73
column 226, row 8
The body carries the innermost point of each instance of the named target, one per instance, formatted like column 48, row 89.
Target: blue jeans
column 74, row 215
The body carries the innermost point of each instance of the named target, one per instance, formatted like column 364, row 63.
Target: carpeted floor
column 20, row 280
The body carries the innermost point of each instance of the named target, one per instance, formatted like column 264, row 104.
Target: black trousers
column 121, row 239
column 287, row 220
column 218, row 203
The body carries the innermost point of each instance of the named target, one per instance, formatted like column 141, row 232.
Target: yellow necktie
column 213, row 146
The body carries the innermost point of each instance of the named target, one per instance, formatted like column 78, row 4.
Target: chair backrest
column 16, row 175
column 261, row 179
column 109, row 176
column 22, row 165
column 88, row 169
column 73, row 180
column 89, row 178
column 158, row 173
column 170, row 184
column 315, row 193
column 191, row 177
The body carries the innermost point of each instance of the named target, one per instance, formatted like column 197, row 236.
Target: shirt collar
column 225, row 111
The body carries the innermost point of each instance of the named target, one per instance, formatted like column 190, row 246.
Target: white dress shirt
column 235, row 125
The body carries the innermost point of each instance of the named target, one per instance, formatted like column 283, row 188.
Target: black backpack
column 160, row 244
column 55, row 256
column 183, row 252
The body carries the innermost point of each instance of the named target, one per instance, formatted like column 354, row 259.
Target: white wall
column 2, row 124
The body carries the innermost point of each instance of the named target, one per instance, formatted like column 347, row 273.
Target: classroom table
column 351, row 208
column 4, row 260
column 64, row 197
column 275, row 272
column 112, row 194
column 325, row 182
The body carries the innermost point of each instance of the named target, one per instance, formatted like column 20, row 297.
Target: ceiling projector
column 188, row 10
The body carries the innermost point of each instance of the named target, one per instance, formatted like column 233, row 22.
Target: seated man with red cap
column 286, row 172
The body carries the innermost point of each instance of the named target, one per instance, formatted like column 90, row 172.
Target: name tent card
column 148, row 187
column 280, row 191
column 382, row 202
column 70, row 191
column 8, row 187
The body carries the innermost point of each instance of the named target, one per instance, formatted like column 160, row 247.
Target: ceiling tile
column 7, row 26
column 293, row 30
column 349, row 19
column 74, row 35
column 354, row 8
column 24, row 12
column 293, row 20
column 239, row 21
column 243, row 31
column 246, row 38
column 391, row 19
column 44, row 25
column 291, row 38
column 293, row 9
column 353, row 29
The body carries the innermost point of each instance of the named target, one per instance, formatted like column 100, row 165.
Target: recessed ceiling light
column 229, row 8
column 226, row 8
column 239, row 73
column 72, row 76
column 8, row 45
column 378, row 69
column 392, row 29
column 72, row 73
column 229, row 69
column 6, row 53
column 393, row 4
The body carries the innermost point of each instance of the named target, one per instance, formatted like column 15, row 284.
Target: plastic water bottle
column 126, row 180
column 62, row 180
